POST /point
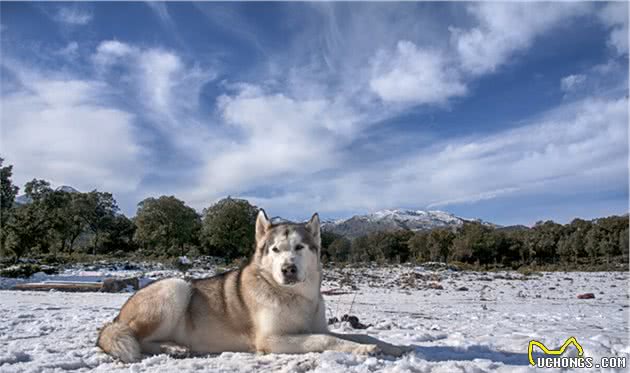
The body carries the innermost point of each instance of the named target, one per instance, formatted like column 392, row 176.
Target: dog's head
column 288, row 252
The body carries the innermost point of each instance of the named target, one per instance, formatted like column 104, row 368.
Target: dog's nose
column 289, row 269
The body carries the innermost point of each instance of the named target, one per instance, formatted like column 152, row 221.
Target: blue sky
column 512, row 113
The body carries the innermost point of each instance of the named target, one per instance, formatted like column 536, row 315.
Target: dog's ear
column 313, row 227
column 262, row 225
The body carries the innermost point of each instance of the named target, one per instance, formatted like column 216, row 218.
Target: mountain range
column 397, row 219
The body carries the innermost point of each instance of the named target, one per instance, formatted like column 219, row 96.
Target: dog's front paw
column 366, row 349
column 175, row 351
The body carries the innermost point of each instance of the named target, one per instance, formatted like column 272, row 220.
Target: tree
column 74, row 225
column 29, row 227
column 97, row 210
column 472, row 241
column 327, row 239
column 624, row 243
column 419, row 247
column 27, row 230
column 359, row 249
column 37, row 189
column 592, row 244
column 228, row 228
column 119, row 235
column 8, row 191
column 339, row 249
column 166, row 225
column 439, row 243
column 545, row 236
column 390, row 246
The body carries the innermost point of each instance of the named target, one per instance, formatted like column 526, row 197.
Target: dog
column 271, row 305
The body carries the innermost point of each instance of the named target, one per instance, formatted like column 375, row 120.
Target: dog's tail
column 118, row 340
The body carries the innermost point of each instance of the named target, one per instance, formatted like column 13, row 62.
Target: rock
column 435, row 285
column 586, row 296
column 182, row 263
column 463, row 288
column 354, row 322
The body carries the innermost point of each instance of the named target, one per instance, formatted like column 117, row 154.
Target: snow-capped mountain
column 67, row 189
column 389, row 220
column 24, row 199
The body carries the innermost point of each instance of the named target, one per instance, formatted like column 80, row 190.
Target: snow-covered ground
column 485, row 327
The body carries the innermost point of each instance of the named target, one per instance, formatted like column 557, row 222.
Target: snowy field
column 456, row 322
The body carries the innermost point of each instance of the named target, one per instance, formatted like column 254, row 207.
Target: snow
column 415, row 219
column 486, row 328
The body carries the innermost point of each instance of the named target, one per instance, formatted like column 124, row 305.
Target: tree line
column 59, row 222
column 599, row 241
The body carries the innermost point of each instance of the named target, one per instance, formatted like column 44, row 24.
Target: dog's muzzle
column 289, row 274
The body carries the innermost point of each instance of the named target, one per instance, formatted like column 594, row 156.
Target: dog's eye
column 299, row 247
column 275, row 249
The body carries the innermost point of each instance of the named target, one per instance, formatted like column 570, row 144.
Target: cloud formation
column 340, row 116
column 504, row 29
column 414, row 75
column 614, row 15
column 64, row 130
column 73, row 15
column 571, row 82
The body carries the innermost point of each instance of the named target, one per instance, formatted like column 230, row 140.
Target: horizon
column 326, row 219
column 327, row 107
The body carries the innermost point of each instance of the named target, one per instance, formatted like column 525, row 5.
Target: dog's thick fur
column 272, row 305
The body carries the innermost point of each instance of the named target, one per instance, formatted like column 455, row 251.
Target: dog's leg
column 303, row 343
column 386, row 348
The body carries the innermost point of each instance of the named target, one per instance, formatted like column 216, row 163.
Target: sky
column 508, row 112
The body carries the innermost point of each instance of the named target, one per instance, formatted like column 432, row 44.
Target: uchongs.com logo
column 554, row 358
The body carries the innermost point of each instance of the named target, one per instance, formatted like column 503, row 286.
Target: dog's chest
column 293, row 318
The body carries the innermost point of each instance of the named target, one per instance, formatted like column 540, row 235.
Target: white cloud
column 571, row 82
column 167, row 87
column 565, row 147
column 582, row 146
column 506, row 28
column 73, row 15
column 61, row 129
column 614, row 15
column 111, row 51
column 70, row 51
column 161, row 10
column 277, row 138
column 414, row 75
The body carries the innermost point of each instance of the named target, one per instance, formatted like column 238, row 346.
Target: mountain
column 390, row 220
column 25, row 200
column 67, row 189
column 513, row 228
column 22, row 200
